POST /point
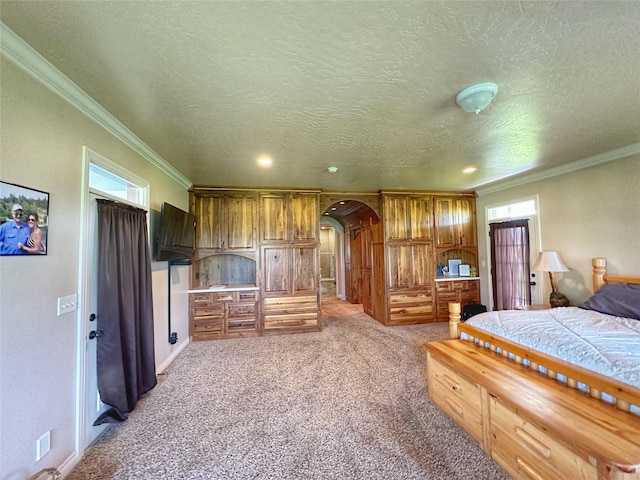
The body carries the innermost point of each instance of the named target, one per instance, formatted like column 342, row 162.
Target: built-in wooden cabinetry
column 270, row 240
column 420, row 230
column 455, row 221
column 462, row 291
column 225, row 222
column 257, row 261
column 223, row 313
column 290, row 261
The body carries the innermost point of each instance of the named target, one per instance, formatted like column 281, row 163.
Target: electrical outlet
column 43, row 445
column 67, row 304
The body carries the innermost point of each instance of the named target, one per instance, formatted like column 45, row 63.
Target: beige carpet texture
column 349, row 402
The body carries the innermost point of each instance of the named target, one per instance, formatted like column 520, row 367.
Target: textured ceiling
column 368, row 87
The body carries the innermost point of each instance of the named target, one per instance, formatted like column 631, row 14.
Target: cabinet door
column 276, row 269
column 422, row 264
column 445, row 222
column 396, row 225
column 209, row 213
column 305, row 269
column 465, row 221
column 241, row 221
column 274, row 218
column 399, row 266
column 305, row 220
column 420, row 215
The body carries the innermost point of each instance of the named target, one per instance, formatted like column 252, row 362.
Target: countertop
column 452, row 278
column 223, row 288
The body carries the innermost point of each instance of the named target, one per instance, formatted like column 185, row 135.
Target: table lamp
column 550, row 261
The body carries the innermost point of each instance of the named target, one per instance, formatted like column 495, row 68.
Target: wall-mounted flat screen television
column 177, row 235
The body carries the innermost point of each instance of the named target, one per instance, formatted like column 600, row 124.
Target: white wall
column 593, row 212
column 42, row 139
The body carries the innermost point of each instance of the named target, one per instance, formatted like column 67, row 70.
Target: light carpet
column 349, row 402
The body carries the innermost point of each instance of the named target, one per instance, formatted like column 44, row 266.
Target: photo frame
column 24, row 220
column 453, row 267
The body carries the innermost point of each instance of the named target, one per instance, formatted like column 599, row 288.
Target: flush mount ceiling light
column 332, row 169
column 476, row 97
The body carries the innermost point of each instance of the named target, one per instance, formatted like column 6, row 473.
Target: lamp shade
column 549, row 261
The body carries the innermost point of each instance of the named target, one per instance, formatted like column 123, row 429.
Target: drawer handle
column 528, row 469
column 455, row 407
column 452, row 383
column 533, row 442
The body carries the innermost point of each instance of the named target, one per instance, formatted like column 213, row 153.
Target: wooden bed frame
column 533, row 424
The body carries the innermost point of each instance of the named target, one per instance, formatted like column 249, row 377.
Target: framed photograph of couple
column 24, row 220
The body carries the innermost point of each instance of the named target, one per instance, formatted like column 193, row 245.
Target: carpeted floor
column 349, row 402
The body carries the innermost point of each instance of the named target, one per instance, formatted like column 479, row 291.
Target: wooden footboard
column 598, row 386
column 531, row 425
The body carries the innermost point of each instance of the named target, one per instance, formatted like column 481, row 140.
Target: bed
column 544, row 407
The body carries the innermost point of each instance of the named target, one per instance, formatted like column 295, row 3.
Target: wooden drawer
column 225, row 296
column 241, row 309
column 208, row 310
column 201, row 298
column 290, row 304
column 285, row 321
column 207, row 325
column 241, row 324
column 248, row 296
column 457, row 397
column 409, row 299
column 527, row 452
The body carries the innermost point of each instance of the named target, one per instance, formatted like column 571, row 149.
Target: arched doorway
column 354, row 221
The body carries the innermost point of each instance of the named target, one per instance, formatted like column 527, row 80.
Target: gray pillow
column 619, row 299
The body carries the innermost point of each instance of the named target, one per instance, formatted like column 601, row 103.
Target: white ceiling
column 368, row 87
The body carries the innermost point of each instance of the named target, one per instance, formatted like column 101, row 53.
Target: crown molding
column 24, row 56
column 609, row 156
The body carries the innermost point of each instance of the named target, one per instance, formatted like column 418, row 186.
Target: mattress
column 602, row 343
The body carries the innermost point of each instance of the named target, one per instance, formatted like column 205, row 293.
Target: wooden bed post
column 599, row 267
column 454, row 319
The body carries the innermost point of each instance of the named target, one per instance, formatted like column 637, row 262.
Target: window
column 115, row 186
column 523, row 209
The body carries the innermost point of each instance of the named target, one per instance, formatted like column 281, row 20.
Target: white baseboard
column 162, row 367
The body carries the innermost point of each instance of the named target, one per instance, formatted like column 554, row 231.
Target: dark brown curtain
column 125, row 351
column 510, row 264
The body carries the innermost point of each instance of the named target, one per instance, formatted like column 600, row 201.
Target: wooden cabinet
column 290, row 269
column 409, row 264
column 462, row 291
column 225, row 221
column 223, row 314
column 407, row 217
column 455, row 221
column 290, row 261
column 290, row 217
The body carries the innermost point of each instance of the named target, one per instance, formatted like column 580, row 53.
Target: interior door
column 93, row 405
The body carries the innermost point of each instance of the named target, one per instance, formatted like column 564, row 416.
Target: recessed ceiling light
column 265, row 161
column 469, row 170
column 332, row 169
column 326, row 213
column 342, row 202
column 333, row 208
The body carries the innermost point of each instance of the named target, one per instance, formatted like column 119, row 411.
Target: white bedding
column 603, row 343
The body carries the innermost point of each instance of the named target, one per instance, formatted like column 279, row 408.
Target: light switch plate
column 43, row 445
column 67, row 304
